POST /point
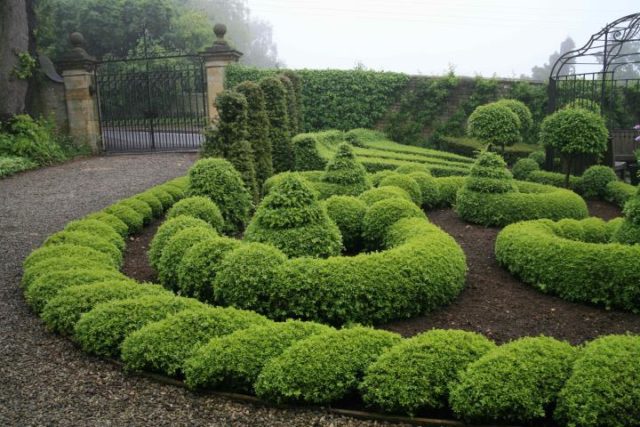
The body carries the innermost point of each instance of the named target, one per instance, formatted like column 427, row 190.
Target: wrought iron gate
column 152, row 104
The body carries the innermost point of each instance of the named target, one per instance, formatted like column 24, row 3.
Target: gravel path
column 44, row 379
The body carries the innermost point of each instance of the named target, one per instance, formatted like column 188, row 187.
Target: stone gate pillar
column 79, row 88
column 216, row 58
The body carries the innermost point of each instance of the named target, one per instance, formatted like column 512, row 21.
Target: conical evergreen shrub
column 344, row 170
column 275, row 96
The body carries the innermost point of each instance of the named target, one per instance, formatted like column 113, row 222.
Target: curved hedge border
column 573, row 259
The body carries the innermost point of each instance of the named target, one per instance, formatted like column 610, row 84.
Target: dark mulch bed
column 493, row 303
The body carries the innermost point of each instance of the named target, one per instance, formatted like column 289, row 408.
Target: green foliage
column 538, row 156
column 292, row 104
column 306, row 153
column 128, row 215
column 231, row 126
column 275, row 95
column 241, row 157
column 407, row 183
column 428, row 188
column 34, row 140
column 595, row 181
column 66, row 250
column 632, row 210
column 99, row 229
column 374, row 195
column 140, row 207
column 417, row 374
column 165, row 198
column 25, row 66
column 619, row 192
column 348, row 213
column 627, row 233
column 603, row 387
column 555, row 179
column 90, row 240
column 258, row 129
column 516, row 382
column 63, row 311
column 57, row 263
column 297, row 83
column 153, row 201
column 198, row 207
column 166, row 231
column 584, row 103
column 220, row 182
column 111, row 220
column 323, row 368
column 495, row 124
column 523, row 113
column 102, row 330
column 471, row 147
column 377, row 177
column 382, row 215
column 573, row 270
column 523, row 167
column 164, row 346
column 234, row 361
column 291, row 219
column 10, row 165
column 448, row 189
column 343, row 169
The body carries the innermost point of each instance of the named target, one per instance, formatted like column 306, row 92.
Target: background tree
column 542, row 73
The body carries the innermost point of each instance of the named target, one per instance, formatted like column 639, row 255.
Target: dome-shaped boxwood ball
column 346, row 172
column 381, row 215
column 324, row 367
column 405, row 182
column 603, row 387
column 516, row 382
column 97, row 228
column 374, row 195
column 595, row 180
column 133, row 219
column 543, row 254
column 416, row 374
column 523, row 167
column 83, row 238
column 348, row 213
column 220, row 182
column 428, row 188
column 154, row 203
column 491, row 197
column 198, row 207
column 291, row 219
column 111, row 220
column 166, row 231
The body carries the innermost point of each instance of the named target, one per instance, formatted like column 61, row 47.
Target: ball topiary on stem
column 523, row 113
column 494, row 124
column 291, row 219
column 275, row 96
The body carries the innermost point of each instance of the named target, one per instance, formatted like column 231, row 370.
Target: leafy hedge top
column 574, row 130
column 494, row 124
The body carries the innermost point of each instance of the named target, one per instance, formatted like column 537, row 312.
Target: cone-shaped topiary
column 291, row 219
column 346, row 171
column 258, row 129
column 275, row 96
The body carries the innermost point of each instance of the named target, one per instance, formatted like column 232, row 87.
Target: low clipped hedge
column 234, row 361
column 112, row 221
column 619, row 192
column 97, row 228
column 166, row 231
column 555, row 179
column 324, row 367
column 416, row 374
column 544, row 254
column 198, row 207
column 133, row 219
column 383, row 214
column 516, row 382
column 90, row 240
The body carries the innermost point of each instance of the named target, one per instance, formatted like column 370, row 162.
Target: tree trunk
column 568, row 174
column 14, row 38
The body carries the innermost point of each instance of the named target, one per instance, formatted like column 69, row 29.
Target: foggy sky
column 482, row 37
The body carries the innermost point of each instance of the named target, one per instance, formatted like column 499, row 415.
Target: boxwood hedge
column 166, row 231
column 374, row 195
column 133, row 219
column 348, row 213
column 383, row 214
column 198, row 207
column 595, row 180
column 97, row 228
column 83, row 238
column 406, row 182
column 112, row 221
column 58, row 263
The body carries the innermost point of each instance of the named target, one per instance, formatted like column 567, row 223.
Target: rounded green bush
column 200, row 264
column 220, row 182
column 428, row 188
column 619, row 192
column 58, row 263
column 102, row 330
column 245, row 276
column 83, row 238
column 374, row 195
column 176, row 192
column 307, row 156
column 594, row 230
column 324, row 367
column 383, row 214
column 66, row 250
column 569, row 229
column 523, row 167
column 166, row 231
column 626, row 233
column 632, row 210
column 522, row 111
column 489, row 174
column 597, row 273
column 405, row 182
column 346, row 171
column 165, row 198
column 152, row 201
column 416, row 374
column 584, row 103
column 111, row 220
column 163, row 346
column 97, row 228
column 234, row 361
column 348, row 213
column 48, row 285
column 494, row 124
column 198, row 207
column 175, row 249
column 63, row 311
column 603, row 387
column 595, row 180
column 291, row 219
column 448, row 189
column 379, row 176
column 182, row 182
column 516, row 382
column 128, row 215
column 538, row 156
column 139, row 206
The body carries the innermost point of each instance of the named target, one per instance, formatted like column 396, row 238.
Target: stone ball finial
column 220, row 30
column 76, row 39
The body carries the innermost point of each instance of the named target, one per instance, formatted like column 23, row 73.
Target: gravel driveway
column 44, row 379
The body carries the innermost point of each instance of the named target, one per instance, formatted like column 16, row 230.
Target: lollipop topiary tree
column 495, row 124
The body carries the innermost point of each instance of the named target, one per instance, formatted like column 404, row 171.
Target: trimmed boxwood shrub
column 323, row 368
column 97, row 228
column 416, row 374
column 48, row 285
column 375, row 178
column 220, row 182
column 241, row 157
column 555, row 179
column 275, row 95
column 165, row 198
column 153, row 202
column 406, row 182
column 102, row 330
column 166, row 231
column 111, row 220
column 198, row 207
column 538, row 156
column 523, row 168
column 448, row 189
column 523, row 113
column 307, row 157
column 63, row 311
column 163, row 346
column 619, row 192
column 229, row 128
column 411, row 168
column 174, row 251
column 291, row 219
column 603, row 387
column 428, row 187
column 58, row 263
column 83, row 238
column 65, row 250
column 629, row 230
column 139, row 206
column 344, row 170
column 292, row 104
column 175, row 191
column 573, row 270
column 516, row 382
column 494, row 124
column 234, row 361
column 200, row 264
column 595, row 181
column 374, row 195
column 133, row 219
column 382, row 215
column 348, row 213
